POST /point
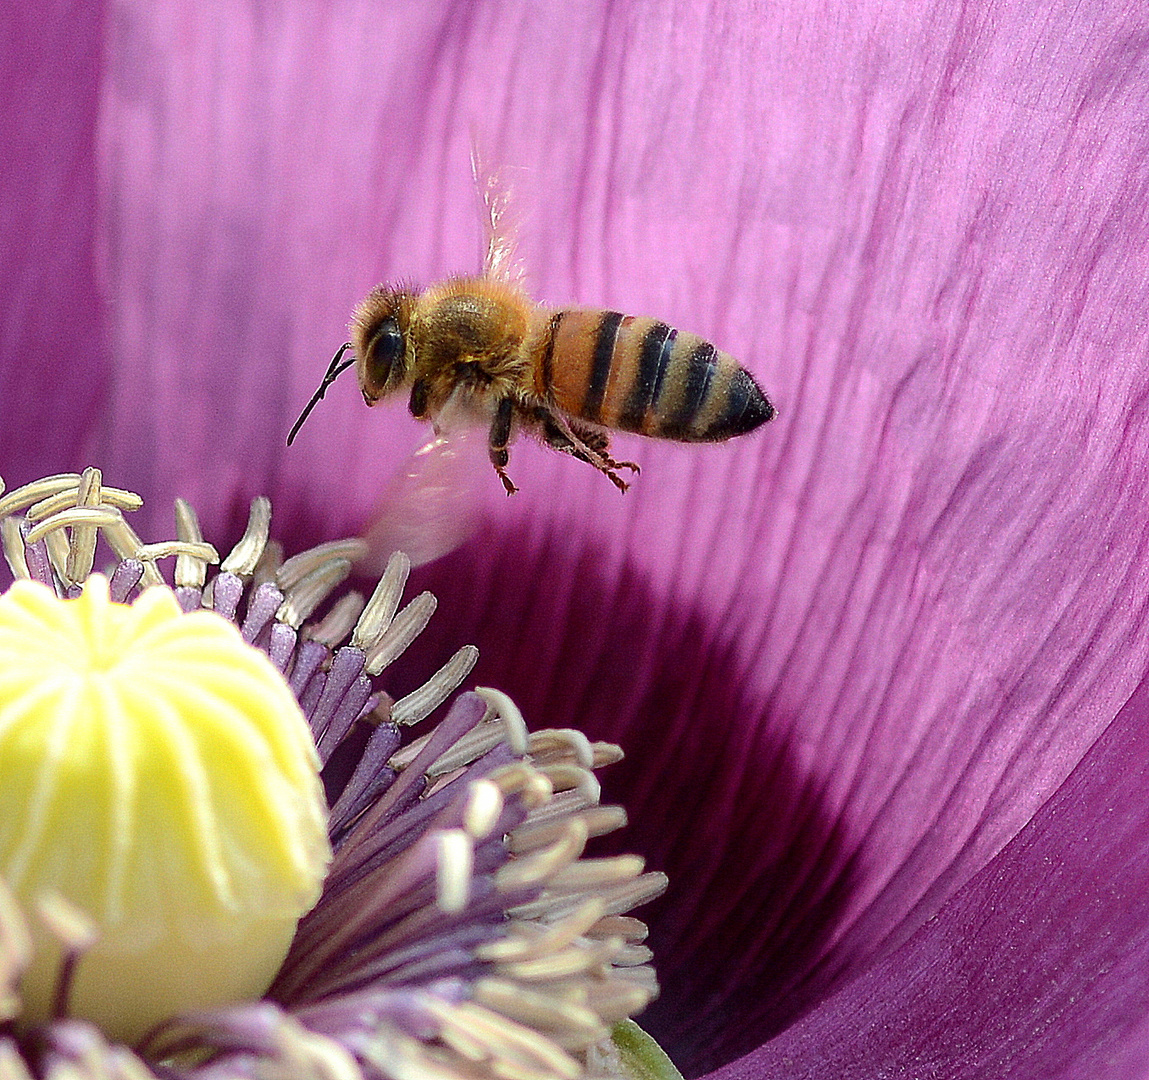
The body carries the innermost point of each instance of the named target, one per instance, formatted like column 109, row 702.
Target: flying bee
column 480, row 347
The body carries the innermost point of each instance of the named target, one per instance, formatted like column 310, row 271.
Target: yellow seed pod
column 157, row 774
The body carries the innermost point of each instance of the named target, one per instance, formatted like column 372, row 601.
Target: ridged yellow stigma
column 156, row 772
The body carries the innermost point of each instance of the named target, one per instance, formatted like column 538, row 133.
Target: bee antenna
column 337, row 366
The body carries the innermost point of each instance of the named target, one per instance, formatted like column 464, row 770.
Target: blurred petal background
column 860, row 659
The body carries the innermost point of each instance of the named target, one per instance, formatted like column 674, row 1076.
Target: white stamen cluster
column 461, row 932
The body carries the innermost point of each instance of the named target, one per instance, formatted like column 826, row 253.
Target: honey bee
column 480, row 346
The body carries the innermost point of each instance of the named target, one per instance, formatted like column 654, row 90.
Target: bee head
column 379, row 341
column 379, row 335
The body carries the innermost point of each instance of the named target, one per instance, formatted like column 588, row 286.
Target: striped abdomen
column 638, row 374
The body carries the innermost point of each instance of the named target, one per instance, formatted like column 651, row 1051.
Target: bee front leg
column 420, row 398
column 500, row 436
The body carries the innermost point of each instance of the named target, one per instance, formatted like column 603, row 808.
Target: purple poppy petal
column 54, row 367
column 1037, row 970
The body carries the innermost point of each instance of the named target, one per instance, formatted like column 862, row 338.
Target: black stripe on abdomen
column 654, row 358
column 700, row 367
column 605, row 338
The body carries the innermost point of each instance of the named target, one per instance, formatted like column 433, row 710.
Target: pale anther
column 562, row 744
column 307, row 593
column 14, row 547
column 83, row 551
column 422, row 702
column 244, row 557
column 306, row 563
column 454, row 866
column 538, row 831
column 384, row 602
column 405, row 628
column 575, row 960
column 541, row 866
column 508, row 712
column 523, row 947
column 338, row 622
column 539, row 1010
column 484, row 805
column 71, row 926
column 188, row 549
column 567, row 777
column 122, row 539
column 116, row 498
column 29, row 494
column 91, row 516
column 190, row 572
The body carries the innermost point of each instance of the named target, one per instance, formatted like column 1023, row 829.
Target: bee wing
column 433, row 503
column 499, row 259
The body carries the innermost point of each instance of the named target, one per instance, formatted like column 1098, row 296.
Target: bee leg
column 507, row 482
column 585, row 443
column 497, row 440
column 614, row 478
column 632, row 466
column 420, row 396
column 599, row 443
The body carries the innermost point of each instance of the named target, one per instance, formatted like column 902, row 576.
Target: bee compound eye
column 385, row 353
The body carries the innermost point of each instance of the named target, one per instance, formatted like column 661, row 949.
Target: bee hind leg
column 497, row 440
column 598, row 442
column 585, row 443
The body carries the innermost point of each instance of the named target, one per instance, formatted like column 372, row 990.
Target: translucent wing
column 434, row 501
column 499, row 259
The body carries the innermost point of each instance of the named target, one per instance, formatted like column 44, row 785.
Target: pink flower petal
column 1037, row 968
column 55, row 362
